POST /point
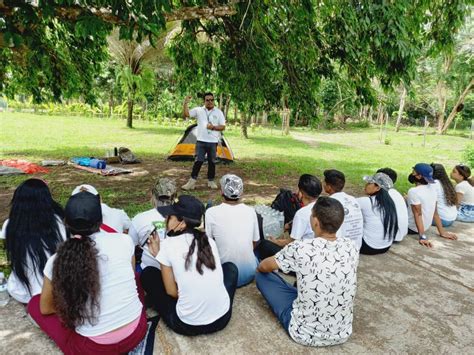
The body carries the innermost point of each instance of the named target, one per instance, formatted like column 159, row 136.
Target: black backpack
column 287, row 202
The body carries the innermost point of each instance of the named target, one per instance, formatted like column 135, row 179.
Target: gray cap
column 232, row 186
column 164, row 187
column 380, row 179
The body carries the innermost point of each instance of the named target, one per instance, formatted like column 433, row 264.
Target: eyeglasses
column 210, row 100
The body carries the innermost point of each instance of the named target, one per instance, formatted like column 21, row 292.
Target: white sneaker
column 190, row 185
column 212, row 185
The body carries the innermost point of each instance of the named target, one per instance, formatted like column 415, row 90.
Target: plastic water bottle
column 4, row 296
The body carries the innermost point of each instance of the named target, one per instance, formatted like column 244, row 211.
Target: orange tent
column 186, row 147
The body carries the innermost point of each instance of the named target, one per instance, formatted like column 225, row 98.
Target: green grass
column 266, row 159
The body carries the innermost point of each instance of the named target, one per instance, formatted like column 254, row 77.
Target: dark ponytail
column 384, row 202
column 76, row 284
column 465, row 172
column 204, row 252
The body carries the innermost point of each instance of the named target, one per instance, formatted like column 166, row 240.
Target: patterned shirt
column 326, row 278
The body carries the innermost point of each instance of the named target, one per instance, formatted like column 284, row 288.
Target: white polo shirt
column 205, row 116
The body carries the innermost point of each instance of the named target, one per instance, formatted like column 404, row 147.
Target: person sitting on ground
column 193, row 292
column 234, row 227
column 309, row 189
column 400, row 205
column 89, row 303
column 380, row 215
column 353, row 225
column 150, row 222
column 465, row 193
column 318, row 312
column 422, row 200
column 446, row 196
column 33, row 231
column 114, row 219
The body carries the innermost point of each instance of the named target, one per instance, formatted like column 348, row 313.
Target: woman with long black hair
column 33, row 231
column 447, row 199
column 190, row 264
column 379, row 214
column 89, row 303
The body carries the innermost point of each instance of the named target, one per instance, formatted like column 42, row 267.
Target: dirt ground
column 138, row 184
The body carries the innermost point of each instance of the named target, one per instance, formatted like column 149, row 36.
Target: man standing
column 210, row 123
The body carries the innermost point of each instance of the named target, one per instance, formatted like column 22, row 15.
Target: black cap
column 187, row 206
column 83, row 210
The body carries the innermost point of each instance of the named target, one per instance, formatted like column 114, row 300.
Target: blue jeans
column 444, row 223
column 246, row 273
column 466, row 213
column 278, row 294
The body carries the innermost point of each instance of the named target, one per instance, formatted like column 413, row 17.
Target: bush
column 469, row 155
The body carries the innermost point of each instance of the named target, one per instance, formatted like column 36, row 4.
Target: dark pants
column 166, row 305
column 367, row 250
column 278, row 294
column 203, row 148
column 266, row 249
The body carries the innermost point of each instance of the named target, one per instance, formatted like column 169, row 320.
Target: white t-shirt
column 374, row 235
column 402, row 214
column 301, row 228
column 140, row 227
column 118, row 299
column 234, row 228
column 18, row 290
column 353, row 225
column 115, row 218
column 426, row 196
column 446, row 213
column 202, row 298
column 326, row 273
column 204, row 116
column 467, row 191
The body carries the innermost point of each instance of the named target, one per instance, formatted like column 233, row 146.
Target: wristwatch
column 423, row 237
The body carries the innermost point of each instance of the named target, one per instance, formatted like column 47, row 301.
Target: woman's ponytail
column 75, row 282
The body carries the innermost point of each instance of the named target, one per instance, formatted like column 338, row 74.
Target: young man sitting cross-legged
column 319, row 311
column 309, row 189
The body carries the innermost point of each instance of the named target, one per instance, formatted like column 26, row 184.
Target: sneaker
column 190, row 185
column 212, row 185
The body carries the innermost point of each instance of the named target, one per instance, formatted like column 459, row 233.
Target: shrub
column 469, row 155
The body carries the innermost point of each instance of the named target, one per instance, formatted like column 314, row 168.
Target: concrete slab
column 410, row 300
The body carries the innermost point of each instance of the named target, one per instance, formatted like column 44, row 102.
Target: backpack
column 126, row 156
column 287, row 202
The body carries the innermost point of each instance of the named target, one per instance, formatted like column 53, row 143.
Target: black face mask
column 175, row 233
column 413, row 179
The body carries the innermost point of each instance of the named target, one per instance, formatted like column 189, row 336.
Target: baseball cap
column 232, row 186
column 164, row 187
column 380, row 179
column 426, row 171
column 83, row 210
column 187, row 206
column 84, row 187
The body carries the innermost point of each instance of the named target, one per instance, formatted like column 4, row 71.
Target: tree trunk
column 235, row 113
column 111, row 104
column 441, row 93
column 455, row 108
column 401, row 107
column 286, row 121
column 264, row 118
column 129, row 111
column 369, row 115
column 243, row 125
column 221, row 102
column 226, row 107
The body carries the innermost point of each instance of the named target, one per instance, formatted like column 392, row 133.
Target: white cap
column 84, row 187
